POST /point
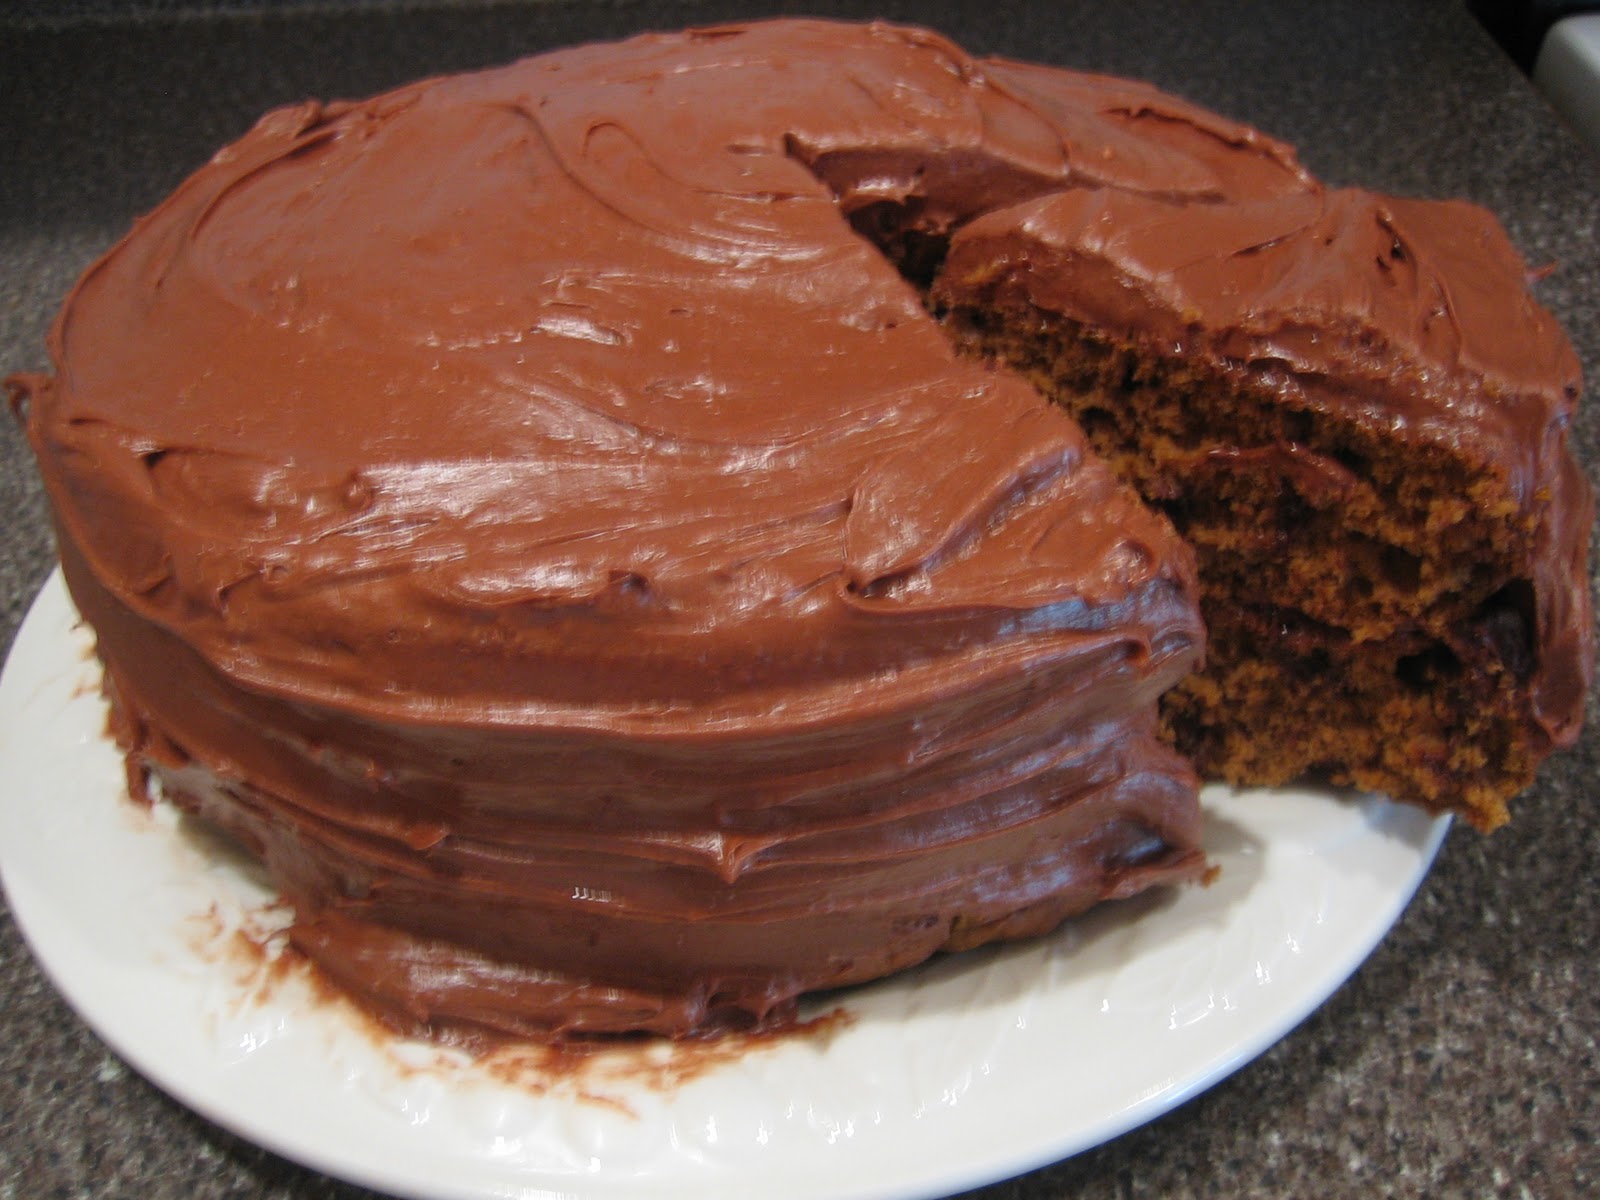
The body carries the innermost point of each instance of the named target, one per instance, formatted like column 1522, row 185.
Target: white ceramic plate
column 968, row 1070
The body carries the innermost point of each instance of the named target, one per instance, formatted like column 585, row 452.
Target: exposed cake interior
column 1337, row 568
column 1376, row 588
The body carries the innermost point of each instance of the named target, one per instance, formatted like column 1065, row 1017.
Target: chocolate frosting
column 524, row 510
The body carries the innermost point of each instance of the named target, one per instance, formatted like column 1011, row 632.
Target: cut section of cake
column 1352, row 410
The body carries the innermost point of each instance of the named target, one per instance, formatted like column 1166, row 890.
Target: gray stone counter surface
column 1460, row 1060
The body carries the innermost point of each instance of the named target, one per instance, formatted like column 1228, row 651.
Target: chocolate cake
column 594, row 530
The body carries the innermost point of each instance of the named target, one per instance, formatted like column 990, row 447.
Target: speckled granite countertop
column 1461, row 1060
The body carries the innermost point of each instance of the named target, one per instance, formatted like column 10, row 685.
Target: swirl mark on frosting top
column 603, row 479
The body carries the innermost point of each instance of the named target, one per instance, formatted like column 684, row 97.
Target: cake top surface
column 695, row 421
